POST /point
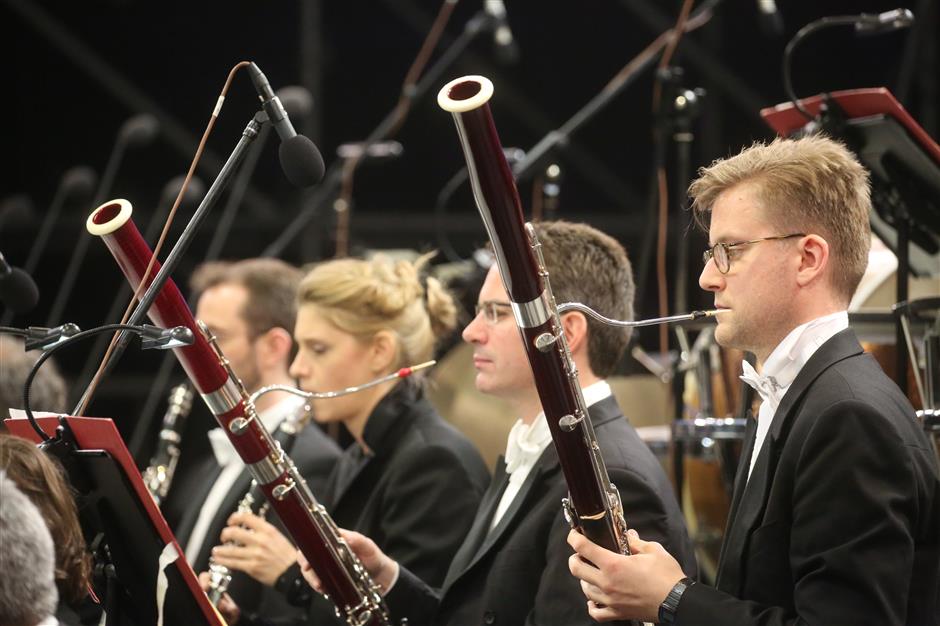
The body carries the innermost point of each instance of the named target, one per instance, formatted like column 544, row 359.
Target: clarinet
column 348, row 586
column 593, row 506
column 159, row 474
column 219, row 575
column 254, row 503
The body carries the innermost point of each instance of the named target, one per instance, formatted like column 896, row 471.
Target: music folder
column 150, row 582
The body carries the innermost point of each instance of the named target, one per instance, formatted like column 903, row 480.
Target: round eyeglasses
column 721, row 252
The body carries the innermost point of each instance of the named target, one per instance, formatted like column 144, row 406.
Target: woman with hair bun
column 409, row 480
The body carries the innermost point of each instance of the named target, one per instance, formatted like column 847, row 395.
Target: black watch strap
column 667, row 610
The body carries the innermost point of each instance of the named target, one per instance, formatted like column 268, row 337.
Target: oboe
column 348, row 586
column 159, row 473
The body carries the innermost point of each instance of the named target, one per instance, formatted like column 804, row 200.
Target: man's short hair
column 810, row 185
column 28, row 592
column 47, row 392
column 588, row 266
column 271, row 285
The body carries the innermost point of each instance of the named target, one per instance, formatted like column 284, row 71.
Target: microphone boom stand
column 480, row 23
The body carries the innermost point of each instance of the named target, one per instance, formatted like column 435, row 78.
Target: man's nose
column 475, row 331
column 711, row 279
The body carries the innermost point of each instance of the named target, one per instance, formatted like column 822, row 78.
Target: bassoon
column 593, row 505
column 346, row 583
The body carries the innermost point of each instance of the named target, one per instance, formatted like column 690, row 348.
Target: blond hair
column 364, row 297
column 810, row 185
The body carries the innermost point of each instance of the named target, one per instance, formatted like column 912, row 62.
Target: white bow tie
column 767, row 386
column 525, row 445
column 222, row 448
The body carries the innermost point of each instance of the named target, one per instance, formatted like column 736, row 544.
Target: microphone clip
column 156, row 338
column 41, row 338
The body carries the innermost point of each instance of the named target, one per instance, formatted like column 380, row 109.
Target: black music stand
column 904, row 162
column 119, row 516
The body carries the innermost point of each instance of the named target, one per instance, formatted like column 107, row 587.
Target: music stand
column 116, row 508
column 905, row 175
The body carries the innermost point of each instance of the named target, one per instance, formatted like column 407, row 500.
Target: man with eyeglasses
column 512, row 567
column 835, row 518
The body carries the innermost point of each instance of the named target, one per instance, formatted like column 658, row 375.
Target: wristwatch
column 667, row 610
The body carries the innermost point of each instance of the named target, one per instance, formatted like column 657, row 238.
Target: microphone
column 771, row 22
column 17, row 289
column 376, row 150
column 875, row 24
column 16, row 209
column 139, row 130
column 507, row 50
column 300, row 159
column 297, row 101
column 135, row 133
column 77, row 183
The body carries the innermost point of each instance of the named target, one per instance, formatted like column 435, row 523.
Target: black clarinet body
column 162, row 468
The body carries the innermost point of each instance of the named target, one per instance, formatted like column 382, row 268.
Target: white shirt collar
column 527, row 441
column 791, row 354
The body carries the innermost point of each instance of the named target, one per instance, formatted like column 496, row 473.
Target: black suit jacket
column 840, row 520
column 315, row 456
column 415, row 496
column 518, row 573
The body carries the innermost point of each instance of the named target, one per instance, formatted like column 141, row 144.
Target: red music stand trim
column 785, row 119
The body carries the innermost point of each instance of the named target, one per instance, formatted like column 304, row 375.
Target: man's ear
column 383, row 352
column 814, row 259
column 274, row 346
column 576, row 330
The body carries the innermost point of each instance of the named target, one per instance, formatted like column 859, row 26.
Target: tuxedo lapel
column 750, row 499
column 220, row 519
column 188, row 522
column 481, row 523
column 750, row 495
column 547, row 461
column 480, row 540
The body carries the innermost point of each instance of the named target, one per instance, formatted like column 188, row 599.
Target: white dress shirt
column 526, row 444
column 782, row 366
column 232, row 467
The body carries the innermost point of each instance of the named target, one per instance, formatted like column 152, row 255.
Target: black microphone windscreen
column 16, row 209
column 18, row 291
column 301, row 161
column 79, row 181
column 140, row 130
column 194, row 191
column 297, row 101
